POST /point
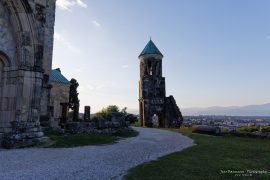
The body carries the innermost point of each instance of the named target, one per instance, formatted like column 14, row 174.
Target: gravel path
column 90, row 162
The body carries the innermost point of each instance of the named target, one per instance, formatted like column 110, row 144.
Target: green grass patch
column 208, row 159
column 136, row 124
column 75, row 140
column 126, row 133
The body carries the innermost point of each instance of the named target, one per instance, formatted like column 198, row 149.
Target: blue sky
column 216, row 52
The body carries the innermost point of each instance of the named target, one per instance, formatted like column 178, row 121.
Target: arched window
column 150, row 68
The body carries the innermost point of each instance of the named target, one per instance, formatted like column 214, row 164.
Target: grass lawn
column 74, row 140
column 206, row 160
column 126, row 134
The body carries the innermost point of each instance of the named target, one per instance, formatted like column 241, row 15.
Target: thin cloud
column 81, row 4
column 61, row 40
column 95, row 23
column 67, row 4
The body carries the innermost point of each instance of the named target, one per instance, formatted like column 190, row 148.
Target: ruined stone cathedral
column 26, row 45
column 153, row 103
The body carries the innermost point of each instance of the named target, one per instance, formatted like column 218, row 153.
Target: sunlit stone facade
column 26, row 45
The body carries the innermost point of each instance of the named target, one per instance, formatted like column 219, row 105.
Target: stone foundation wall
column 112, row 123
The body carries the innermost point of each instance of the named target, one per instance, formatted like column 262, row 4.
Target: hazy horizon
column 216, row 53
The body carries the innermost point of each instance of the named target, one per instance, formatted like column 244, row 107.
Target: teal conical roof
column 150, row 48
column 57, row 77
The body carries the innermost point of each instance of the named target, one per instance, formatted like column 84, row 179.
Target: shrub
column 249, row 129
column 265, row 129
column 136, row 124
column 203, row 129
column 106, row 111
column 131, row 118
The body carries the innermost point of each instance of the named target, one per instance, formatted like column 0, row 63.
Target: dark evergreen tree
column 74, row 102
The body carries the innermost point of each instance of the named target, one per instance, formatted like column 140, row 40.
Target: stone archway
column 160, row 119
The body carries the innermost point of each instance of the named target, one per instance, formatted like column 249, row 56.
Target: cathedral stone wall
column 26, row 43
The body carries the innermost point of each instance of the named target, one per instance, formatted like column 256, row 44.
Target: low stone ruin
column 111, row 124
column 171, row 113
column 23, row 137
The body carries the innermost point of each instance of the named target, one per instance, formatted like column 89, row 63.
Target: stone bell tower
column 152, row 92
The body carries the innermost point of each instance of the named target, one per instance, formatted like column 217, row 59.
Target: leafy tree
column 115, row 109
column 74, row 102
column 112, row 109
column 106, row 111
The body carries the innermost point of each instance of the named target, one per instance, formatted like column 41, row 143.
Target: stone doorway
column 160, row 119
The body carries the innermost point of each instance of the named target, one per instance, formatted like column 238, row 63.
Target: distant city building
column 152, row 94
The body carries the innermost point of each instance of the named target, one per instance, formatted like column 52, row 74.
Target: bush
column 249, row 129
column 265, row 129
column 203, row 129
column 136, row 124
column 106, row 111
column 131, row 118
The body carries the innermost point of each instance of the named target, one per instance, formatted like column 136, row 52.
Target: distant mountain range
column 250, row 110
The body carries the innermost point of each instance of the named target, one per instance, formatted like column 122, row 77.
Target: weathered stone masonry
column 26, row 45
column 152, row 93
